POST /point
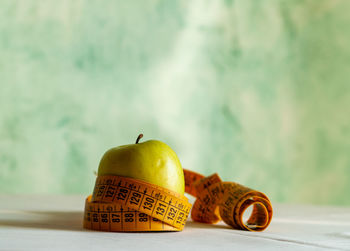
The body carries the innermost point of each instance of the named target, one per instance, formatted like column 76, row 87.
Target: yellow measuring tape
column 126, row 205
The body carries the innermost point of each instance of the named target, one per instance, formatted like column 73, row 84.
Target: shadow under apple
column 65, row 220
column 55, row 220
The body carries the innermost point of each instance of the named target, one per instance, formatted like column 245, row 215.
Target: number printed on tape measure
column 148, row 203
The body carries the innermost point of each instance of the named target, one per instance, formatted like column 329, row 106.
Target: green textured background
column 257, row 91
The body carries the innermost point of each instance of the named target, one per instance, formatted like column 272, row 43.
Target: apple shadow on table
column 55, row 220
column 69, row 221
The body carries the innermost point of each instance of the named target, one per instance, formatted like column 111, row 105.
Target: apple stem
column 138, row 138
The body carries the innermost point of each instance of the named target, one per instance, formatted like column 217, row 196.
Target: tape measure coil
column 127, row 205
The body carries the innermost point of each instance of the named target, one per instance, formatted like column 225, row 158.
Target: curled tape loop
column 227, row 201
column 126, row 205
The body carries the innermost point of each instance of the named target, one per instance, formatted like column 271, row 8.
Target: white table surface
column 55, row 223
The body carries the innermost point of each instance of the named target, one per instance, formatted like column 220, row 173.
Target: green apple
column 152, row 161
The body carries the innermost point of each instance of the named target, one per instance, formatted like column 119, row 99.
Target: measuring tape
column 227, row 201
column 124, row 204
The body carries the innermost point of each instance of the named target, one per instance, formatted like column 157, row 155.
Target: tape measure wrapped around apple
column 140, row 187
